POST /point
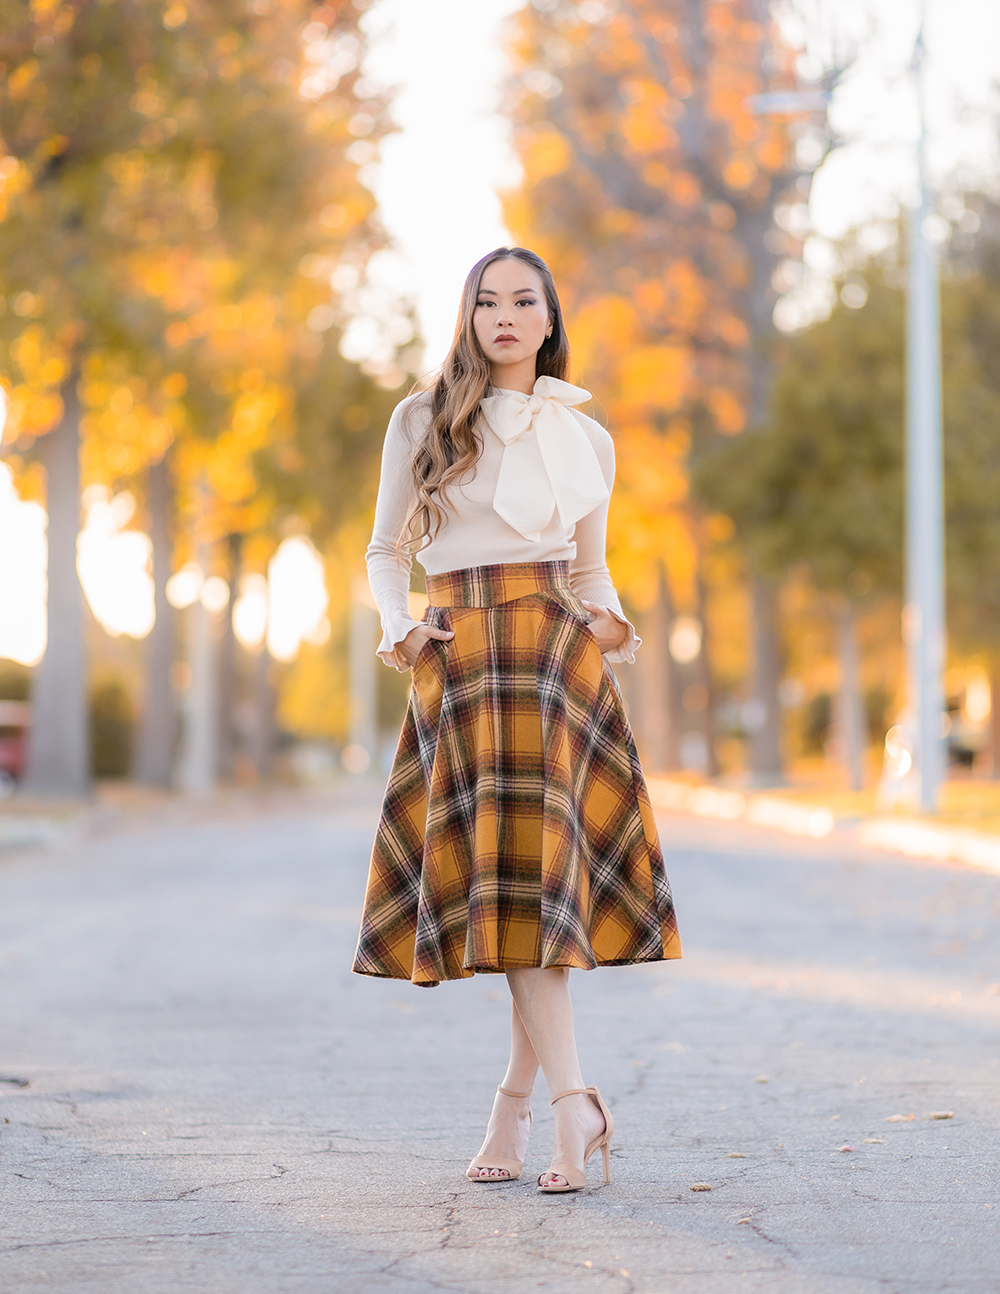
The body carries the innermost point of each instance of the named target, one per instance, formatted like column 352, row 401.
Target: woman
column 516, row 833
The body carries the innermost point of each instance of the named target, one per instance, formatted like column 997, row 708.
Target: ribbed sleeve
column 388, row 569
column 589, row 577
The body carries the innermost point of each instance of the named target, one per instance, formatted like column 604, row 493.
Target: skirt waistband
column 489, row 586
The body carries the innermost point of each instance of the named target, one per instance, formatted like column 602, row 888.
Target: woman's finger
column 409, row 649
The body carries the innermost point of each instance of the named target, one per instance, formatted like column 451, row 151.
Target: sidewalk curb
column 815, row 821
column 909, row 836
column 20, row 833
column 922, row 840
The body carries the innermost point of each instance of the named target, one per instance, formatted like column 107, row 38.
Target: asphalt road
column 215, row 1104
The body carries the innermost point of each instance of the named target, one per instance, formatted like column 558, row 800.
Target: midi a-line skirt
column 516, row 828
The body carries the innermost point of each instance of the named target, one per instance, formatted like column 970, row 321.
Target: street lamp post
column 923, row 614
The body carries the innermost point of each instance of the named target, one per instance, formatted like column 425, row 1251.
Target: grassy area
column 965, row 801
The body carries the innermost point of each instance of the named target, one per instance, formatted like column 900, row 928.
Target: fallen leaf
column 623, row 1271
column 875, row 1141
column 833, row 1118
column 942, row 1114
column 742, row 1221
column 899, row 1118
column 846, row 1147
column 762, row 1078
column 700, row 1186
column 735, row 1154
column 588, row 1263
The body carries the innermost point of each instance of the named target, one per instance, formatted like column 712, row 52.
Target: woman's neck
column 514, row 377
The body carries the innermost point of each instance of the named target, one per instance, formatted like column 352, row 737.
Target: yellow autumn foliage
column 656, row 377
column 547, row 153
column 647, row 225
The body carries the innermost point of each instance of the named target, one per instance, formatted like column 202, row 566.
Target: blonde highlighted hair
column 451, row 444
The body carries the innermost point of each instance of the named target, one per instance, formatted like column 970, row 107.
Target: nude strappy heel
column 576, row 1178
column 512, row 1167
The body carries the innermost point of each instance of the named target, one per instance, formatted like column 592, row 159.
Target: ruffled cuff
column 624, row 653
column 395, row 627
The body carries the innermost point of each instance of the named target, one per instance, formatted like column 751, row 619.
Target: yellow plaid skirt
column 516, row 828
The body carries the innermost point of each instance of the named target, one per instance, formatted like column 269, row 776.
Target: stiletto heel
column 576, row 1178
column 512, row 1167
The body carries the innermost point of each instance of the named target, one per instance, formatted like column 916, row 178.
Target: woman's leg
column 507, row 1132
column 546, row 1013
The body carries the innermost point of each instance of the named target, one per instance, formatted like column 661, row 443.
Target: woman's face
column 511, row 318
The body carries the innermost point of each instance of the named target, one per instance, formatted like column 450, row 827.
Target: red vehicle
column 15, row 717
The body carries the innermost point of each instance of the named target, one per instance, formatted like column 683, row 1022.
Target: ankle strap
column 573, row 1091
column 500, row 1088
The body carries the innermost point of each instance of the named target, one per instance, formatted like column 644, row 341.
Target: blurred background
column 232, row 234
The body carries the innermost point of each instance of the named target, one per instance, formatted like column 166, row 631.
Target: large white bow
column 548, row 462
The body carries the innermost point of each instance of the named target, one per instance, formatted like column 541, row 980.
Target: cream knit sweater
column 473, row 535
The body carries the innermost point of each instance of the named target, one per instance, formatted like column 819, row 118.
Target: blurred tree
column 651, row 184
column 327, row 471
column 821, row 482
column 157, row 735
column 180, row 182
column 971, row 324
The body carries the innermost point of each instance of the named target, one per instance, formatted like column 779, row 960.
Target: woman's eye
column 526, row 302
column 484, row 303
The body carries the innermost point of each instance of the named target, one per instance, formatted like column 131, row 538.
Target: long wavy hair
column 451, row 444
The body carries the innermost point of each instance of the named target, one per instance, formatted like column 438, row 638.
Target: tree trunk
column 158, row 733
column 651, row 717
column 58, row 742
column 199, row 764
column 764, row 711
column 851, row 717
column 704, row 666
column 227, row 671
column 363, row 663
column 674, row 681
column 661, row 721
column 262, row 737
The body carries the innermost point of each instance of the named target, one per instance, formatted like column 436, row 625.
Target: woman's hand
column 606, row 628
column 409, row 649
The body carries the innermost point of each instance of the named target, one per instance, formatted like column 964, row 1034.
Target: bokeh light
column 184, row 586
column 250, row 612
column 114, row 564
column 297, row 596
column 685, row 639
column 22, row 574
